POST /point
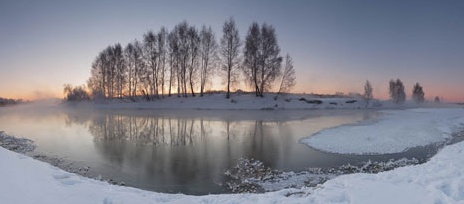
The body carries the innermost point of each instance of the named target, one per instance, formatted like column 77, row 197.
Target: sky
column 336, row 45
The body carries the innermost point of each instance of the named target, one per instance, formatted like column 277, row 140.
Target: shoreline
column 251, row 182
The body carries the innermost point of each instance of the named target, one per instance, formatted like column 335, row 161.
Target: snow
column 395, row 131
column 440, row 180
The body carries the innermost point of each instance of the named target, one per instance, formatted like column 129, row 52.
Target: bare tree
column 120, row 73
column 208, row 55
column 108, row 64
column 108, row 73
column 139, row 66
column 262, row 64
column 230, row 45
column 96, row 82
column 130, row 63
column 162, row 55
column 134, row 63
column 288, row 80
column 251, row 55
column 151, row 59
column 418, row 93
column 396, row 90
column 368, row 96
column 173, row 44
column 181, row 31
column 193, row 50
column 270, row 59
column 401, row 92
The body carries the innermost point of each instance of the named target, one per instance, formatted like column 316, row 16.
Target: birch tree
column 288, row 79
column 208, row 55
column 230, row 45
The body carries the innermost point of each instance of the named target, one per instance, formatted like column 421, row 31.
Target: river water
column 184, row 151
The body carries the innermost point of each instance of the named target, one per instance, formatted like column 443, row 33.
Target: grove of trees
column 186, row 60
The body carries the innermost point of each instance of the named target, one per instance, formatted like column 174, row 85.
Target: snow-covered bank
column 236, row 102
column 395, row 131
column 247, row 101
column 250, row 175
column 441, row 180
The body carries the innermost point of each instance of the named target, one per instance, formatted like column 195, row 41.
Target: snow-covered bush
column 20, row 145
column 246, row 174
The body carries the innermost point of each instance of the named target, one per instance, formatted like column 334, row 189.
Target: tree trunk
column 228, row 82
column 191, row 86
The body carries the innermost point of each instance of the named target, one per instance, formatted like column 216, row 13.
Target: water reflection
column 179, row 151
column 189, row 153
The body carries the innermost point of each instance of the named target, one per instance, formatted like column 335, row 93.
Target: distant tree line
column 185, row 60
column 7, row 101
column 397, row 93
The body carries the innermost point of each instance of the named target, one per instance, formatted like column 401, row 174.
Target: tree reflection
column 235, row 138
column 179, row 150
column 146, row 130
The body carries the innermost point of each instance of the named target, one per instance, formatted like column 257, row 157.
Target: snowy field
column 395, row 131
column 440, row 180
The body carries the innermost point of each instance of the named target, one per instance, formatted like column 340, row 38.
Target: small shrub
column 351, row 101
column 315, row 101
